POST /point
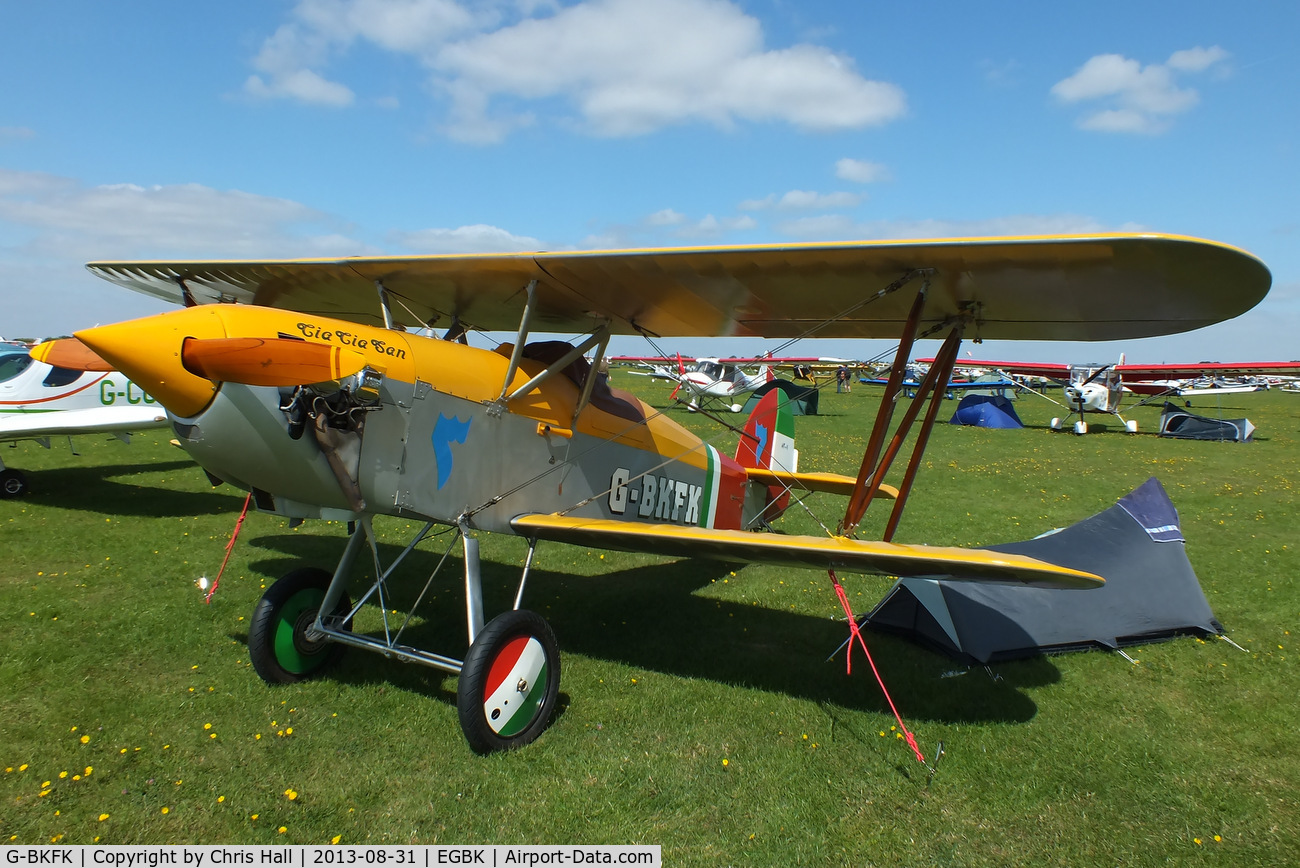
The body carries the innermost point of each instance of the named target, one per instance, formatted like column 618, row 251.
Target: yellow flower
column 282, row 830
column 288, row 730
column 103, row 817
column 89, row 769
column 23, row 767
column 725, row 763
column 254, row 817
column 207, row 726
column 291, row 794
column 166, row 810
column 336, row 839
column 220, row 799
column 62, row 775
column 85, row 739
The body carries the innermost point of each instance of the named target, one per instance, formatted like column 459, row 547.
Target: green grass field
column 697, row 707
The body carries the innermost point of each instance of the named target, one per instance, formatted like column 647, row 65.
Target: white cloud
column 1136, row 98
column 321, row 30
column 838, row 227
column 1197, row 59
column 802, row 200
column 478, row 238
column 666, row 217
column 303, row 85
column 609, row 67
column 710, row 226
column 860, row 171
column 52, row 225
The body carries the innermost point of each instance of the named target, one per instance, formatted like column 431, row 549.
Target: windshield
column 13, row 361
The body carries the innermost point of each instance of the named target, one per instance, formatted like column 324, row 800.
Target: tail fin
column 768, row 443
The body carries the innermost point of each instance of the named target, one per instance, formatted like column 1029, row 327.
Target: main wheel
column 12, row 483
column 509, row 682
column 278, row 644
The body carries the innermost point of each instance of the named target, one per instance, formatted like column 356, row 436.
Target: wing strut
column 864, row 490
column 525, row 320
column 937, row 379
column 875, row 464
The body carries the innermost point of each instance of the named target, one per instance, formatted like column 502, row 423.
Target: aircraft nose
column 148, row 350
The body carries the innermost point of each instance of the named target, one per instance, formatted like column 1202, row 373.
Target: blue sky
column 241, row 129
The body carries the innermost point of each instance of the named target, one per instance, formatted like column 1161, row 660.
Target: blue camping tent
column 986, row 411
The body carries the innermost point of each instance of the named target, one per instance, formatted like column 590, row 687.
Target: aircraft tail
column 768, row 444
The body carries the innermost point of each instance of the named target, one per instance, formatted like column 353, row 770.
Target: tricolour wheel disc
column 516, row 686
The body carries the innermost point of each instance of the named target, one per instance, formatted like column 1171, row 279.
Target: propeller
column 268, row 361
column 681, row 369
column 71, row 354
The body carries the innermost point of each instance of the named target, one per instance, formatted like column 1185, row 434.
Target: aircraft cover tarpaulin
column 986, row 411
column 1151, row 592
column 1175, row 422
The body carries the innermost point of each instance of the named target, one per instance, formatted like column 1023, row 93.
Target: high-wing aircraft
column 710, row 379
column 304, row 383
column 1099, row 388
column 39, row 401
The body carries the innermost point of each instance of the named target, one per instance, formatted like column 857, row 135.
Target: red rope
column 855, row 632
column 230, row 547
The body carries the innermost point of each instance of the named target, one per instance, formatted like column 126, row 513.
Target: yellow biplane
column 317, row 386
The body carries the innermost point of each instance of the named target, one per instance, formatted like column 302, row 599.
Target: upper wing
column 840, row 553
column 27, row 426
column 1102, row 287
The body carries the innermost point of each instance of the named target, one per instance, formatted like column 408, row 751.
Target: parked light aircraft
column 297, row 381
column 39, row 401
column 1098, row 388
column 710, row 379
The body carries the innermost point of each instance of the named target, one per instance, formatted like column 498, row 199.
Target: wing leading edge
column 839, row 553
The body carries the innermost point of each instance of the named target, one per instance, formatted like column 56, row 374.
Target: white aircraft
column 39, row 401
column 711, row 379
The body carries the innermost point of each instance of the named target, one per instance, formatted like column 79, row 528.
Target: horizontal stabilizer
column 830, row 483
column 838, row 553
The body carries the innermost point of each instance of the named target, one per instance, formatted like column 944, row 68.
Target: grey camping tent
column 1176, row 422
column 1151, row 592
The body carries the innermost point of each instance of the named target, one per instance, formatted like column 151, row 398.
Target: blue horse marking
column 762, row 432
column 446, row 431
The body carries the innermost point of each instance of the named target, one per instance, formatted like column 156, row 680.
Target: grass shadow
column 655, row 618
column 108, row 489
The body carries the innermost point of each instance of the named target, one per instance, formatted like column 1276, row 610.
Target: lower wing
column 24, row 426
column 839, row 553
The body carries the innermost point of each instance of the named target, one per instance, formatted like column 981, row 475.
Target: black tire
column 277, row 637
column 12, row 483
column 521, row 647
